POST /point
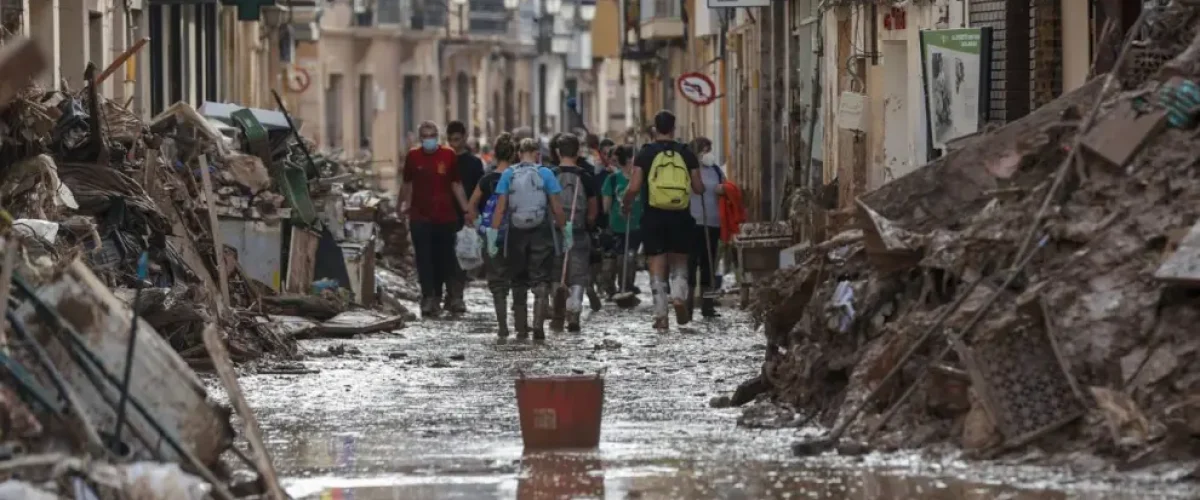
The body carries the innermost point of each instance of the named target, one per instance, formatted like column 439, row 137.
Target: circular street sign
column 697, row 88
column 297, row 79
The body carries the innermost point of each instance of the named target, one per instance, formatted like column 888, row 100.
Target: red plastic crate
column 560, row 411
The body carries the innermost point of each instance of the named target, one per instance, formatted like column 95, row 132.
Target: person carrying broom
column 579, row 200
column 625, row 230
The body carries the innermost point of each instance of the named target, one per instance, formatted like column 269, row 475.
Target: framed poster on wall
column 956, row 69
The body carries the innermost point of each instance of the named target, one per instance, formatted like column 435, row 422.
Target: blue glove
column 491, row 235
column 568, row 236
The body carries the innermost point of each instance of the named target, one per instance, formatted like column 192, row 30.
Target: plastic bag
column 468, row 247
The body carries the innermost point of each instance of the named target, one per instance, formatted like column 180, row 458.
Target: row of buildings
column 796, row 94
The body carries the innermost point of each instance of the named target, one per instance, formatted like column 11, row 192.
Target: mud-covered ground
column 430, row 412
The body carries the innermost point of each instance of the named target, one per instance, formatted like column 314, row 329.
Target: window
column 410, row 108
column 464, row 98
column 333, row 112
column 366, row 110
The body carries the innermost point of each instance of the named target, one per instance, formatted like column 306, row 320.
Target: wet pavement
column 430, row 412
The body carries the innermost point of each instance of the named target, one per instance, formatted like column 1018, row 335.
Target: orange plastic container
column 560, row 411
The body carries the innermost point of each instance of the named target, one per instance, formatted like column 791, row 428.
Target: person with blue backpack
column 529, row 209
column 483, row 208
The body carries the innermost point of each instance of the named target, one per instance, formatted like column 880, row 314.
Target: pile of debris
column 88, row 179
column 1037, row 285
column 131, row 253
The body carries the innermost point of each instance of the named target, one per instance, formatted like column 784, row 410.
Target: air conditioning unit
column 360, row 6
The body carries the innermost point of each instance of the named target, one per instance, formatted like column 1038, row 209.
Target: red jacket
column 733, row 214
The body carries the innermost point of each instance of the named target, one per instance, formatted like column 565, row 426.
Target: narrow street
column 429, row 412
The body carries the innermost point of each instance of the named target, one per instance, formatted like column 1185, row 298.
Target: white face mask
column 708, row 158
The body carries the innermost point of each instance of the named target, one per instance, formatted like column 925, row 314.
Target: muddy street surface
column 430, row 412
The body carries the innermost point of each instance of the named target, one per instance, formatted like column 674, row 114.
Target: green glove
column 568, row 236
column 492, row 234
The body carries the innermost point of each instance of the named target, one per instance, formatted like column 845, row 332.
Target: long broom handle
column 625, row 253
column 712, row 266
column 567, row 251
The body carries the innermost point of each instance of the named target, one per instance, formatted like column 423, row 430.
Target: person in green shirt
column 613, row 192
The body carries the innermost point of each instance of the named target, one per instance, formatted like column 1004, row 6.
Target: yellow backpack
column 669, row 183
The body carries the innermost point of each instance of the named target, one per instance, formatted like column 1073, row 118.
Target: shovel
column 625, row 299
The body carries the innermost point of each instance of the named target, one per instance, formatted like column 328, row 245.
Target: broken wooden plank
column 162, row 382
column 302, row 260
column 224, row 367
column 359, row 322
column 215, row 230
column 1183, row 266
column 1122, row 133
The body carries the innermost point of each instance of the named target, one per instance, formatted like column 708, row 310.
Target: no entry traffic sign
column 697, row 88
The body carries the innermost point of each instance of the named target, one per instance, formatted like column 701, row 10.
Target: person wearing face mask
column 707, row 234
column 430, row 192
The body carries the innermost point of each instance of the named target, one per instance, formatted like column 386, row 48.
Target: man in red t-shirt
column 431, row 186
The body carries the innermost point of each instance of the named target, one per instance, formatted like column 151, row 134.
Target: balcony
column 386, row 18
column 661, row 19
column 488, row 17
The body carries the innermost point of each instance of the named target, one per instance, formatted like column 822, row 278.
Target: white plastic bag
column 468, row 247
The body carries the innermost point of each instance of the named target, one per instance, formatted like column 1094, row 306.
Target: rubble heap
column 1044, row 277
column 108, row 189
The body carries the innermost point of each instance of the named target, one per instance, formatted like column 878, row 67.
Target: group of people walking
column 558, row 222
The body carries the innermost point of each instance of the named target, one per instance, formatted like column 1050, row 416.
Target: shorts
column 667, row 231
column 616, row 246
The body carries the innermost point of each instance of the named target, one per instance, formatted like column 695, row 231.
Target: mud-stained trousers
column 528, row 259
column 568, row 301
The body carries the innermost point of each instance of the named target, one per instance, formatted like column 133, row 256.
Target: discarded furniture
column 758, row 247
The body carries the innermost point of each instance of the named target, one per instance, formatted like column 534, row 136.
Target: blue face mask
column 429, row 145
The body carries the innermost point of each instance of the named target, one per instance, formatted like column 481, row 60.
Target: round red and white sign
column 697, row 88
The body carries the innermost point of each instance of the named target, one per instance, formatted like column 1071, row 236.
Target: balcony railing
column 488, row 17
column 661, row 9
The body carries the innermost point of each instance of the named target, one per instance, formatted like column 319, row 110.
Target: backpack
column 573, row 192
column 489, row 213
column 527, row 203
column 669, row 184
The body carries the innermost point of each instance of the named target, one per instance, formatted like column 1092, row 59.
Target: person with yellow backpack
column 666, row 173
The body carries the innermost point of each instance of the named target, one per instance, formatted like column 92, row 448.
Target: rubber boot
column 540, row 303
column 658, row 289
column 558, row 312
column 608, row 277
column 594, row 298
column 708, row 308
column 574, row 307
column 429, row 308
column 521, row 313
column 680, row 295
column 454, row 297
column 500, row 302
